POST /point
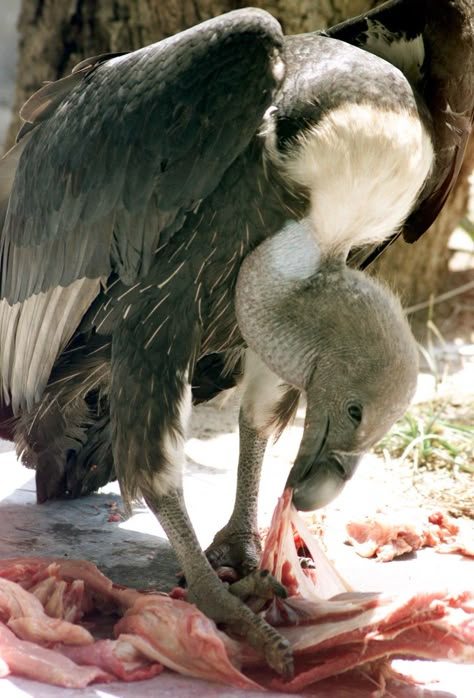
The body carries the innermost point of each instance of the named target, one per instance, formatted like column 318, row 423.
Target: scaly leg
column 150, row 401
column 237, row 545
column 207, row 591
column 267, row 406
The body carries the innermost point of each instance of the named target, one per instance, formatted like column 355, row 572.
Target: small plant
column 434, row 442
column 433, row 434
column 428, row 438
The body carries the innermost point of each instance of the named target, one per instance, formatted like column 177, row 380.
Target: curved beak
column 319, row 473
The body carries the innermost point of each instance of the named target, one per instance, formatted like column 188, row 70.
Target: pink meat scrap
column 386, row 535
column 343, row 641
column 153, row 631
column 343, row 638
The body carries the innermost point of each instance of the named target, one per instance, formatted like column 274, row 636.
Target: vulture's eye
column 354, row 411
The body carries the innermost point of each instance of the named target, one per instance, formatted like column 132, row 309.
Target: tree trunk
column 54, row 36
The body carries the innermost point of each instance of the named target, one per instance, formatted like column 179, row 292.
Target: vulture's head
column 341, row 337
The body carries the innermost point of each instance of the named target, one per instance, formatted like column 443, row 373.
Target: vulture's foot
column 207, row 591
column 237, row 550
column 226, row 609
column 257, row 588
column 235, row 557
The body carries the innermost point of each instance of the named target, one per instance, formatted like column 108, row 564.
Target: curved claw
column 215, row 601
column 237, row 550
column 260, row 586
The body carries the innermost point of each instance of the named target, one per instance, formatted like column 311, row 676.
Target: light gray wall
column 9, row 10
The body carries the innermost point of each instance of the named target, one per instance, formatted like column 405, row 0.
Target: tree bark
column 54, row 36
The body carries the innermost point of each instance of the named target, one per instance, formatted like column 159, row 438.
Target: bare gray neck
column 269, row 303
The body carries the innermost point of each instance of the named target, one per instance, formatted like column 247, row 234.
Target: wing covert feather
column 134, row 145
column 32, row 335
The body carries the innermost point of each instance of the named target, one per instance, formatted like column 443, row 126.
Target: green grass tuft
column 427, row 437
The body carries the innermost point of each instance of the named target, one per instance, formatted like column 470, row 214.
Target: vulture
column 197, row 208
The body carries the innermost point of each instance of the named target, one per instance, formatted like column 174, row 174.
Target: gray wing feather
column 8, row 166
column 117, row 161
column 34, row 333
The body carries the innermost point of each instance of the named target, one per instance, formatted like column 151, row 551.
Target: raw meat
column 281, row 558
column 28, row 659
column 154, row 626
column 353, row 631
column 175, row 633
column 343, row 641
column 386, row 535
column 26, row 616
column 117, row 658
column 461, row 545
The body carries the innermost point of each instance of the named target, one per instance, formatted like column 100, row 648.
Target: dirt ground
column 442, row 480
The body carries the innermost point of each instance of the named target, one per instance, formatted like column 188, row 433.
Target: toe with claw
column 257, row 588
column 215, row 601
column 239, row 550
